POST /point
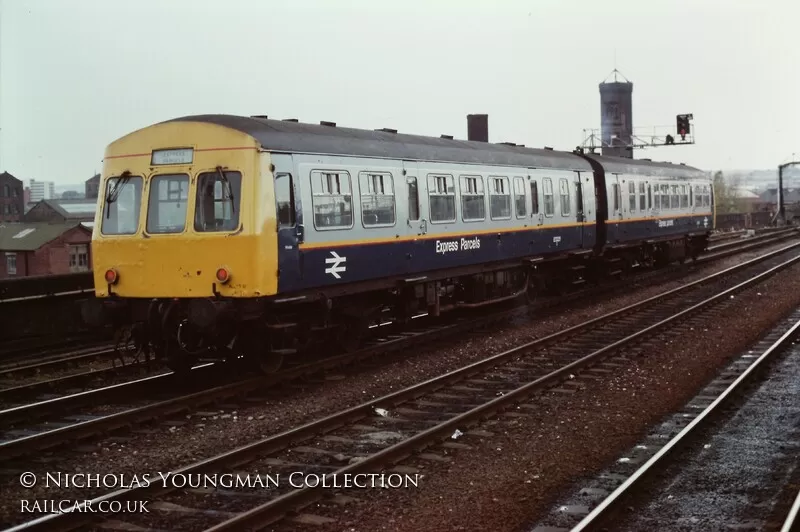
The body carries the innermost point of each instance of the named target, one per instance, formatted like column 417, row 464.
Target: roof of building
column 94, row 179
column 6, row 174
column 73, row 209
column 743, row 193
column 31, row 236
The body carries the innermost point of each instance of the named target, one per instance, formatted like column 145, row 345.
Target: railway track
column 376, row 434
column 792, row 520
column 720, row 463
column 41, row 390
column 55, row 420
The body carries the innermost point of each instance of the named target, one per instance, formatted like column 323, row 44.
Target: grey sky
column 75, row 75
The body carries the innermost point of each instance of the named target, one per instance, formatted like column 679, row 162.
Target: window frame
column 533, row 185
column 292, row 202
column 664, row 194
column 11, row 257
column 76, row 251
column 432, row 178
column 563, row 184
column 545, row 182
column 235, row 204
column 642, row 196
column 462, row 180
column 415, row 188
column 340, row 172
column 617, row 197
column 369, row 174
column 144, row 185
column 507, row 194
column 519, row 180
column 151, row 181
column 631, row 195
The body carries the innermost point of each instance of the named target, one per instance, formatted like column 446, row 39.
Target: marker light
column 111, row 276
column 223, row 275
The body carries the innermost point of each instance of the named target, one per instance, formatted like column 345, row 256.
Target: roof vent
column 265, row 117
column 329, row 124
column 651, row 160
column 290, row 120
column 548, row 148
column 507, row 143
column 446, row 137
column 387, row 130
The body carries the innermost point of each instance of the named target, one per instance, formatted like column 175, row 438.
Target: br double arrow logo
column 335, row 269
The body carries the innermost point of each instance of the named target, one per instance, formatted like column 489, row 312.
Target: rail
column 612, row 502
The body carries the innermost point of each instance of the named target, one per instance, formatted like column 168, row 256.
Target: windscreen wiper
column 113, row 194
column 227, row 186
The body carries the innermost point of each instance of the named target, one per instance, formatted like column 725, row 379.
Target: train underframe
column 265, row 333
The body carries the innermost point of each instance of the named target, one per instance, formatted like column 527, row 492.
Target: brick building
column 62, row 211
column 29, row 249
column 12, row 198
column 92, row 187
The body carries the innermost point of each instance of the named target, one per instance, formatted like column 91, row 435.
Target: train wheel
column 270, row 362
column 258, row 351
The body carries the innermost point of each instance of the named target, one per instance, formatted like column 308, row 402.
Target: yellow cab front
column 172, row 219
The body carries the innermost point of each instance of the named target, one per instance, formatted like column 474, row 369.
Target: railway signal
column 684, row 128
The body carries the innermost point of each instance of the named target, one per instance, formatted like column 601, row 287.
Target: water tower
column 616, row 117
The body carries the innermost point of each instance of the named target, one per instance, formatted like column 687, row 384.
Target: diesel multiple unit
column 226, row 236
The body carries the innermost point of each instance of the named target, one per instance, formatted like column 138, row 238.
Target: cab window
column 218, row 200
column 121, row 207
column 166, row 208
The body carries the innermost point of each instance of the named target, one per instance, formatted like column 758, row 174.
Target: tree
column 725, row 194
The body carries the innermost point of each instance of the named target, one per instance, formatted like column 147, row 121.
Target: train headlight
column 111, row 276
column 223, row 275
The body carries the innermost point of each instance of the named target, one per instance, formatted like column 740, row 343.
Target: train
column 220, row 236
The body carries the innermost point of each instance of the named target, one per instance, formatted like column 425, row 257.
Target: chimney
column 478, row 128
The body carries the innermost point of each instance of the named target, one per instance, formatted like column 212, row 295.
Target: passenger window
column 534, row 197
column 442, row 197
column 332, row 199
column 642, row 198
column 473, row 198
column 664, row 197
column 284, row 200
column 413, row 198
column 684, row 197
column 519, row 197
column 632, row 196
column 615, row 193
column 166, row 209
column 691, row 196
column 377, row 199
column 650, row 201
column 218, row 200
column 674, row 202
column 563, row 185
column 499, row 198
column 549, row 206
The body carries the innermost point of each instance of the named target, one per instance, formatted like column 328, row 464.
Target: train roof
column 295, row 137
column 621, row 165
